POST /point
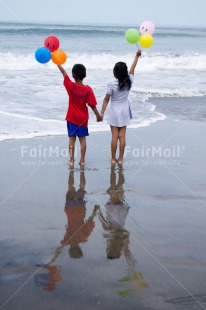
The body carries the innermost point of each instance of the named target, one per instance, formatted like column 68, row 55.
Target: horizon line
column 96, row 24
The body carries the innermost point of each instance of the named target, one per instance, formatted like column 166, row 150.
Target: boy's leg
column 71, row 188
column 83, row 145
column 82, row 181
column 115, row 134
column 72, row 141
column 122, row 143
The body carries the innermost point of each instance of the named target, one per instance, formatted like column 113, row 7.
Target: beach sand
column 144, row 247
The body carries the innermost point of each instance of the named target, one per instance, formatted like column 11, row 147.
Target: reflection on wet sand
column 78, row 230
column 116, row 234
column 116, row 211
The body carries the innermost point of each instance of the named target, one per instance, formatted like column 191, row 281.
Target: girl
column 119, row 112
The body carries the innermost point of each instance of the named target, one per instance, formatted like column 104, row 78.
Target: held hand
column 139, row 53
column 99, row 118
column 96, row 207
column 102, row 117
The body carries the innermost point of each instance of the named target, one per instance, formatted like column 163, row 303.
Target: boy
column 77, row 115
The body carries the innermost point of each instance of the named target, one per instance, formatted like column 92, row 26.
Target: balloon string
column 138, row 46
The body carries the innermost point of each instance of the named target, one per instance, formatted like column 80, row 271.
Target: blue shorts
column 75, row 130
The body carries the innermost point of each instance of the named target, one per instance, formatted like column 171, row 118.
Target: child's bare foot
column 113, row 161
column 71, row 163
column 120, row 161
column 82, row 163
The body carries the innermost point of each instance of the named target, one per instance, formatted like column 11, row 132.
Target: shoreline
column 90, row 133
column 165, row 111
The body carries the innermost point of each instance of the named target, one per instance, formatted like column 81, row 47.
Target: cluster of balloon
column 143, row 37
column 51, row 51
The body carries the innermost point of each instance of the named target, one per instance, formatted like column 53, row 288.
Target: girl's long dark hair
column 121, row 74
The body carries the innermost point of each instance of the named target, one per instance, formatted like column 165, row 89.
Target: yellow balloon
column 59, row 57
column 146, row 40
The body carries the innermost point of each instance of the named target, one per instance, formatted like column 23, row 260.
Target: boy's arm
column 94, row 109
column 133, row 66
column 62, row 70
column 105, row 103
column 95, row 210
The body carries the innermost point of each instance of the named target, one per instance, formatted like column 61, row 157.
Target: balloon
column 59, row 57
column 43, row 55
column 52, row 43
column 147, row 27
column 132, row 36
column 146, row 40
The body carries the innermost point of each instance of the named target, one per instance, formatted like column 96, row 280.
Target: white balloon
column 147, row 28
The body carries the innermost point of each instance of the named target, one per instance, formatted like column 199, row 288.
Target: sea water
column 33, row 101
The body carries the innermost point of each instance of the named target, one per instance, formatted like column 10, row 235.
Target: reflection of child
column 78, row 229
column 48, row 280
column 116, row 212
column 116, row 208
column 77, row 116
column 119, row 110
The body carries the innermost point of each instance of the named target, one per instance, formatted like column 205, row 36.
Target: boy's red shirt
column 79, row 97
column 78, row 229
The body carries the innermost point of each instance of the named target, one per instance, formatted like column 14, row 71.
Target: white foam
column 31, row 118
column 144, row 94
column 16, row 126
column 148, row 63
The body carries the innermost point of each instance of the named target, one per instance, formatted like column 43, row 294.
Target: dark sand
column 144, row 249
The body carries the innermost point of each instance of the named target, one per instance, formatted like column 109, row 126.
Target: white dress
column 119, row 110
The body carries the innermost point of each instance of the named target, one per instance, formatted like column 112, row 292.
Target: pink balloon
column 147, row 27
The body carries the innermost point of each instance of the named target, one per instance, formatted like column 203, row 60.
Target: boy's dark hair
column 79, row 72
column 121, row 74
column 75, row 251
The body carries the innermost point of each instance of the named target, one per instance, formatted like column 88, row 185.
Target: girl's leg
column 72, row 141
column 122, row 143
column 83, row 145
column 115, row 134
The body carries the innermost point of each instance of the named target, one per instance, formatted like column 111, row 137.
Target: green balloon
column 132, row 36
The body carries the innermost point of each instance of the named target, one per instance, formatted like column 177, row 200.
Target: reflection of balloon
column 59, row 57
column 52, row 43
column 132, row 36
column 146, row 40
column 147, row 27
column 43, row 55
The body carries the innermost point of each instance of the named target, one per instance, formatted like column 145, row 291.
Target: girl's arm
column 133, row 66
column 105, row 103
column 62, row 70
column 94, row 109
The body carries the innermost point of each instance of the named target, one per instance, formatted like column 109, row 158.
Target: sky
column 178, row 13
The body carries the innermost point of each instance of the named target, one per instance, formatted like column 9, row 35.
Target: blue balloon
column 43, row 55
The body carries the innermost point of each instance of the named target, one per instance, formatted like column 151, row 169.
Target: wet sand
column 102, row 237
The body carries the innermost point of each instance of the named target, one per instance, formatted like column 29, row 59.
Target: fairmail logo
column 42, row 152
column 155, row 151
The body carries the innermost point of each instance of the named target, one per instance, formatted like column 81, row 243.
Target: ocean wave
column 27, row 117
column 151, row 62
column 86, row 32
column 92, row 30
column 20, row 136
column 26, row 127
column 17, row 133
column 144, row 95
column 61, row 31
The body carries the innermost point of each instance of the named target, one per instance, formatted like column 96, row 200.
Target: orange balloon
column 59, row 57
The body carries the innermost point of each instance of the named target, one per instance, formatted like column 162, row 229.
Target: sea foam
column 15, row 61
